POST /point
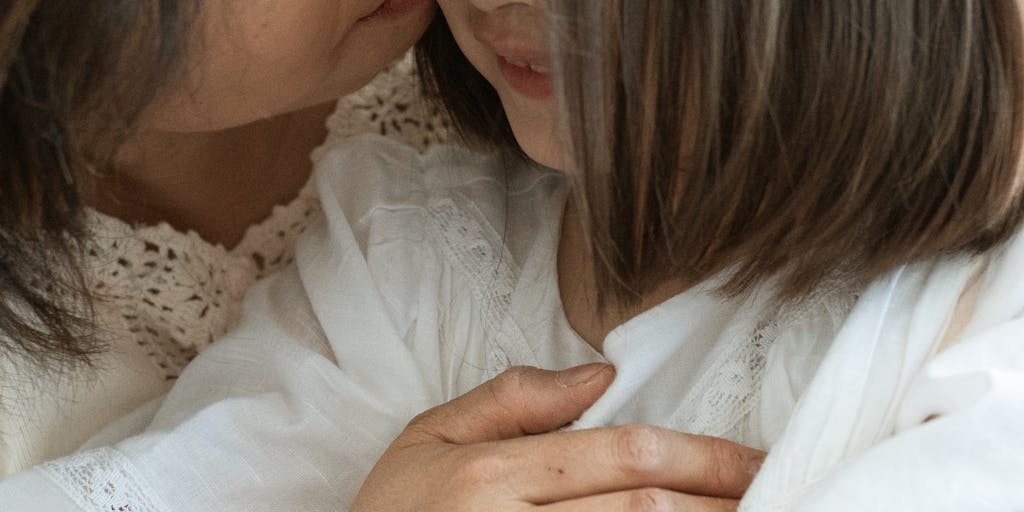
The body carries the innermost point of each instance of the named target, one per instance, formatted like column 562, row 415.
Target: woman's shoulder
column 371, row 158
column 368, row 172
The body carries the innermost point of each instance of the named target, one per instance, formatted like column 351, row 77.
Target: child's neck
column 578, row 289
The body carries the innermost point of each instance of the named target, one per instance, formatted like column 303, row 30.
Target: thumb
column 523, row 400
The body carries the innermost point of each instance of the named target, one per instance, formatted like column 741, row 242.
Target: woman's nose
column 493, row 5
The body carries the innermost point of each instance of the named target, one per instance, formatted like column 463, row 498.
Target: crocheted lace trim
column 392, row 106
column 173, row 293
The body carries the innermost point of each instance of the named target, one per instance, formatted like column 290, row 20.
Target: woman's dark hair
column 75, row 76
column 788, row 139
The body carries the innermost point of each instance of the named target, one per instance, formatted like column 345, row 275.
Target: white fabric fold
column 429, row 274
column 886, row 425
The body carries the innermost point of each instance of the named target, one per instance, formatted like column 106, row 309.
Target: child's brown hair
column 780, row 138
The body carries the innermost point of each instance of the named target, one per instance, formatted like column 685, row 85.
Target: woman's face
column 506, row 40
column 254, row 59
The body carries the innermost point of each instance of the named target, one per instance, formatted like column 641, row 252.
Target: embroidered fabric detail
column 163, row 295
column 392, row 106
column 270, row 245
column 721, row 401
column 102, row 480
column 722, row 396
column 173, row 293
column 470, row 244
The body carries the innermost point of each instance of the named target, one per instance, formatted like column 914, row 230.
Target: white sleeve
column 960, row 439
column 885, row 424
column 32, row 490
column 959, row 428
column 291, row 410
column 257, row 422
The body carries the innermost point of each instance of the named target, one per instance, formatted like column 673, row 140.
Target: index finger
column 520, row 401
column 547, row 468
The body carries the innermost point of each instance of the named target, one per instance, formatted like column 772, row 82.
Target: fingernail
column 580, row 375
column 754, row 465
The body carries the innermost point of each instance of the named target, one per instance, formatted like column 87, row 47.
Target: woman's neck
column 214, row 183
column 578, row 287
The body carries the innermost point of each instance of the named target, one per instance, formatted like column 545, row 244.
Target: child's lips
column 531, row 81
column 515, row 34
column 536, row 68
column 517, row 52
column 527, row 70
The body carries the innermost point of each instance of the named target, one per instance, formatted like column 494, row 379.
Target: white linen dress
column 427, row 275
column 164, row 295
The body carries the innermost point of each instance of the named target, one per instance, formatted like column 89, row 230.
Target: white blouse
column 427, row 275
column 164, row 295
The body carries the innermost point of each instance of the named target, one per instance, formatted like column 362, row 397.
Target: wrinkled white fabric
column 884, row 425
column 164, row 294
column 429, row 274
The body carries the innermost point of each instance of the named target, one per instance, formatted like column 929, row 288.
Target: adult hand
column 477, row 453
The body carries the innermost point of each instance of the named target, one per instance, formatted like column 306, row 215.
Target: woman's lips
column 529, row 79
column 393, row 9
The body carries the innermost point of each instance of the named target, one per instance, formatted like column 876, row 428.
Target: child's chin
column 544, row 151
